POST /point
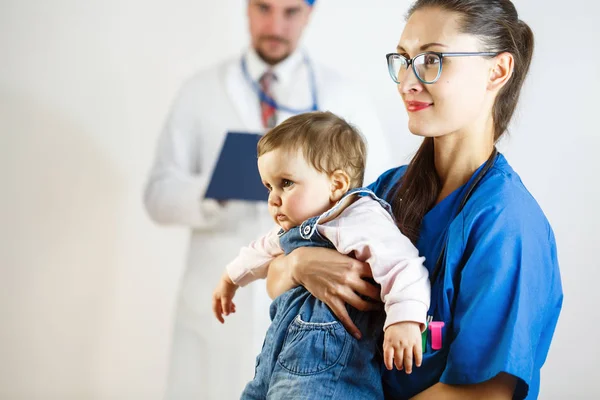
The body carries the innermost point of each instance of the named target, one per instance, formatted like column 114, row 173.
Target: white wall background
column 88, row 283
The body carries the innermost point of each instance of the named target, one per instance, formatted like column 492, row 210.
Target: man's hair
column 328, row 143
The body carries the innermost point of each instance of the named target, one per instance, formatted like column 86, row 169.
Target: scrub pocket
column 310, row 348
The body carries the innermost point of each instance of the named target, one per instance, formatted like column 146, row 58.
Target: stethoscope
column 436, row 326
column 271, row 101
column 468, row 193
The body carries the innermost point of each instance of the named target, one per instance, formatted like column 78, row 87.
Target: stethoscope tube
column 488, row 164
column 271, row 101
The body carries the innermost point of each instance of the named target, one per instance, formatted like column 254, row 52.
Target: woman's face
column 459, row 99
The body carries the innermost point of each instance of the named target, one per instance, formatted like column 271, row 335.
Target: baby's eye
column 269, row 188
column 286, row 183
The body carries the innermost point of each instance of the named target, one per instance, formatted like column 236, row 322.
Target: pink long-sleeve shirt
column 369, row 231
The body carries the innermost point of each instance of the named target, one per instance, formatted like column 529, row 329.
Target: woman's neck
column 457, row 156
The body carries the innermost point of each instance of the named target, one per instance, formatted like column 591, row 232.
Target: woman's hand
column 333, row 278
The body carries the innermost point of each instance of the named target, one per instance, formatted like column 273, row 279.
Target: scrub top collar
column 284, row 71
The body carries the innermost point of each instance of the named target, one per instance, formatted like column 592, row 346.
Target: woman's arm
column 501, row 387
column 279, row 277
column 507, row 305
column 333, row 278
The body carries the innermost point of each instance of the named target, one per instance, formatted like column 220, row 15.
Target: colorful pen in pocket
column 436, row 334
column 424, row 334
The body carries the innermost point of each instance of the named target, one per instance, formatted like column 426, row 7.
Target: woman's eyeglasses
column 427, row 66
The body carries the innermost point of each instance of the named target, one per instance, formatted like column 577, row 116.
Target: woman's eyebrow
column 400, row 49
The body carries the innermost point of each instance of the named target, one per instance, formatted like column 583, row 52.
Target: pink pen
column 436, row 334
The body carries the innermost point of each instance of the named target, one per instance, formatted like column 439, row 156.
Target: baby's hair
column 328, row 143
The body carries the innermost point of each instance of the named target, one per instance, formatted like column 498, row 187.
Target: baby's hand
column 222, row 297
column 401, row 342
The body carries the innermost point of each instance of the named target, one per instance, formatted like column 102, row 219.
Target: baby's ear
column 340, row 183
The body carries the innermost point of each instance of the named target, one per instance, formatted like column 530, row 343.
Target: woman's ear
column 340, row 183
column 502, row 69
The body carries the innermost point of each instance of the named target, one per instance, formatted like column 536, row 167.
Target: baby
column 313, row 165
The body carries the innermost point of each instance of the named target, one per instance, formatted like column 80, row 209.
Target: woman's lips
column 413, row 106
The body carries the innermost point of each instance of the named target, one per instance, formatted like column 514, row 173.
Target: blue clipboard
column 235, row 176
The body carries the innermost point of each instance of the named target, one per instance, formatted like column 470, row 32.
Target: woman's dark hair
column 497, row 24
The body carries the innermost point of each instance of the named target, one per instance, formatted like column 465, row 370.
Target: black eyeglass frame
column 441, row 56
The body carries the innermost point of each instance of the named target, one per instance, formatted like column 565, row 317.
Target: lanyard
column 271, row 101
column 469, row 191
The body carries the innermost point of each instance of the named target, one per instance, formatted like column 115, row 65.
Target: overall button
column 306, row 230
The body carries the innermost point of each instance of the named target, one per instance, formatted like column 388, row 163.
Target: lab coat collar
column 284, row 71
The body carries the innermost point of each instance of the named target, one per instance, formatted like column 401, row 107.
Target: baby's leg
column 283, row 311
column 319, row 359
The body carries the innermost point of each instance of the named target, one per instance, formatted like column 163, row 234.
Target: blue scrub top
column 499, row 292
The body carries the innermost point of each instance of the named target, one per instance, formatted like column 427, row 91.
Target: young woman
column 490, row 251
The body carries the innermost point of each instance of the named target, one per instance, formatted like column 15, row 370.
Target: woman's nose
column 410, row 83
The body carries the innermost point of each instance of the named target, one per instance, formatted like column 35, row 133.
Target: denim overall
column 307, row 352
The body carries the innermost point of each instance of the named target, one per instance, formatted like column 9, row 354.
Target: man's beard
column 266, row 58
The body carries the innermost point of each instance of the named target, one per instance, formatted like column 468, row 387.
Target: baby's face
column 297, row 191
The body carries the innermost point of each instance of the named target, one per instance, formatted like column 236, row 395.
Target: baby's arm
column 252, row 263
column 366, row 229
column 222, row 302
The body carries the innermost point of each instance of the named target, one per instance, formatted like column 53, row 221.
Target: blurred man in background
column 271, row 81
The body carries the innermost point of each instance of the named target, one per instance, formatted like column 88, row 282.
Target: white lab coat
column 210, row 360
